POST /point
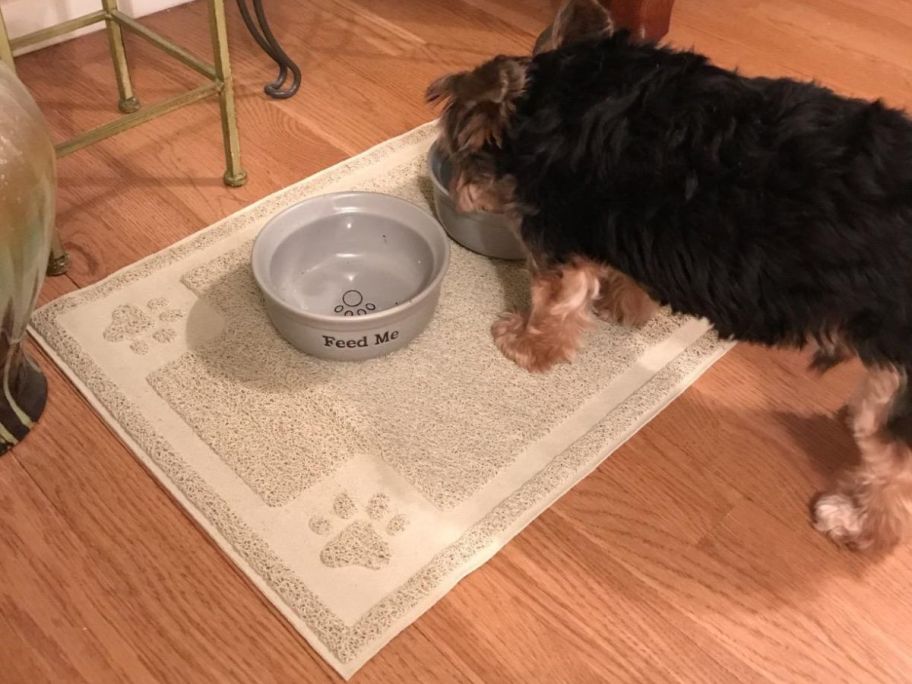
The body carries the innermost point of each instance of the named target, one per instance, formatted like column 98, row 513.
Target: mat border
column 345, row 648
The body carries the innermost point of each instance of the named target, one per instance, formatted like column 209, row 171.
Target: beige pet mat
column 353, row 495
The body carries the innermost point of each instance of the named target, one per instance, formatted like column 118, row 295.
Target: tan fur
column 475, row 188
column 871, row 506
column 576, row 20
column 622, row 301
column 561, row 311
column 478, row 104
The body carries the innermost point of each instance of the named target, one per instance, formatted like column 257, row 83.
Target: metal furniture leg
column 265, row 38
column 235, row 176
column 128, row 102
column 219, row 75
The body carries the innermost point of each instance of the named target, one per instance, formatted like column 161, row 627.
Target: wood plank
column 689, row 548
column 58, row 616
column 573, row 614
column 766, row 594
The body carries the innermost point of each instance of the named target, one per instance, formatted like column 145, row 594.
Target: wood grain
column 687, row 556
column 649, row 19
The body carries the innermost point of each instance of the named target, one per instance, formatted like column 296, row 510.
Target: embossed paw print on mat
column 359, row 542
column 143, row 325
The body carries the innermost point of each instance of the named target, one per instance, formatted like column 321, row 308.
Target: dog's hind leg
column 622, row 301
column 871, row 506
column 550, row 332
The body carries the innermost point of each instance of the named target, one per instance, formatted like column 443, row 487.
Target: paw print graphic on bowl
column 353, row 304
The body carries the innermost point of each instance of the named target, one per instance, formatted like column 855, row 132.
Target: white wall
column 25, row 16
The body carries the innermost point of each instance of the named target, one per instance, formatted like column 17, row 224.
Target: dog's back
column 776, row 209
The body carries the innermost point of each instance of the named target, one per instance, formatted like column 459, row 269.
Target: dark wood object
column 646, row 19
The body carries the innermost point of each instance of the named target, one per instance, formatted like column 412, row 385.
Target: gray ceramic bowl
column 482, row 232
column 351, row 275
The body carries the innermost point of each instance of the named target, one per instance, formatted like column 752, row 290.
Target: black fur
column 778, row 210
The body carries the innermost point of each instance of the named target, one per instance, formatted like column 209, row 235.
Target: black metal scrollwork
column 263, row 35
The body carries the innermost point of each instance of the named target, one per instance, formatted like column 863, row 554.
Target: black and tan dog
column 778, row 210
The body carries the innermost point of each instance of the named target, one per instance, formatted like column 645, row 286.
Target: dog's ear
column 576, row 20
column 478, row 103
column 500, row 80
column 441, row 89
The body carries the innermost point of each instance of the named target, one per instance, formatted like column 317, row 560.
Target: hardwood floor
column 687, row 556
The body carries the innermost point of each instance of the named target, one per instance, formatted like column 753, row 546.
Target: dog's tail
column 478, row 104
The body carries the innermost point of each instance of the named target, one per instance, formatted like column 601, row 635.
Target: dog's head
column 477, row 106
column 576, row 21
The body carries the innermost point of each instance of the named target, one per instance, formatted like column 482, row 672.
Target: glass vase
column 27, row 194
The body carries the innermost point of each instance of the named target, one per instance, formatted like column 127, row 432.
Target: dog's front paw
column 836, row 516
column 633, row 308
column 874, row 527
column 529, row 350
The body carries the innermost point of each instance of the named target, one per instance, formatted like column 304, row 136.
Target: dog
column 638, row 175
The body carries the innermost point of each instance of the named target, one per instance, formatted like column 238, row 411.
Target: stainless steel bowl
column 352, row 275
column 482, row 232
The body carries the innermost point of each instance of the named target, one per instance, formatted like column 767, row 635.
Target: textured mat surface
column 353, row 495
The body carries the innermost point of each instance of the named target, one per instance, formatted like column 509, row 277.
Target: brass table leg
column 235, row 176
column 219, row 75
column 128, row 102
